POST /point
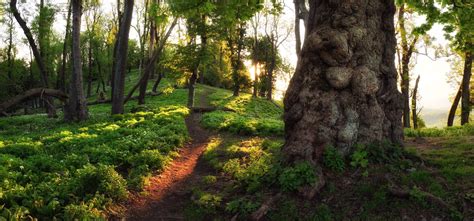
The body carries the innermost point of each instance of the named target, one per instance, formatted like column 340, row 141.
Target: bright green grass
column 466, row 130
column 252, row 116
column 455, row 159
column 51, row 169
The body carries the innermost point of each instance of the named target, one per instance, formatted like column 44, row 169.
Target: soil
column 168, row 192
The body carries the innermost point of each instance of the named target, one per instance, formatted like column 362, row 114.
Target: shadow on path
column 169, row 192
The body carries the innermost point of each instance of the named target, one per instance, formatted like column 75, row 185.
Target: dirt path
column 169, row 191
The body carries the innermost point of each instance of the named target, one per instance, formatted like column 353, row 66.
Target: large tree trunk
column 120, row 58
column 344, row 90
column 50, row 109
column 454, row 107
column 76, row 109
column 466, row 92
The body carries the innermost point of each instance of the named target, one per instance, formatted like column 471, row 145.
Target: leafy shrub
column 209, row 179
column 296, row 176
column 241, row 206
column 333, row 160
column 101, row 179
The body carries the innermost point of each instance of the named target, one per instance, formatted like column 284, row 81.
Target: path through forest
column 169, row 191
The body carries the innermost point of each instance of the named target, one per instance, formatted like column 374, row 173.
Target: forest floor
column 168, row 192
column 206, row 174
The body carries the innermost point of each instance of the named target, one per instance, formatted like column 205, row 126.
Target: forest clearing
column 236, row 110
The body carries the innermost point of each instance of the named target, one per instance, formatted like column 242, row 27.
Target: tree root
column 307, row 192
column 405, row 194
column 266, row 206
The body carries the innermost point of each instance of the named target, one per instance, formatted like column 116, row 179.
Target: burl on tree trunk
column 344, row 90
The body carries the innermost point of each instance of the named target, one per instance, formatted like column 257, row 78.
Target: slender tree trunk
column 194, row 76
column 150, row 67
column 270, row 80
column 76, row 109
column 61, row 82
column 151, row 64
column 466, row 92
column 89, row 74
column 191, row 87
column 344, row 90
column 121, row 59
column 454, row 107
column 203, row 50
column 237, row 66
column 10, row 58
column 297, row 27
column 413, row 103
column 255, row 81
column 51, row 110
column 407, row 51
column 157, row 82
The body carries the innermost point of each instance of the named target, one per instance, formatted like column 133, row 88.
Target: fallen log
column 32, row 93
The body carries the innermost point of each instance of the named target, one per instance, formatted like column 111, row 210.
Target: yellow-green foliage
column 252, row 116
column 49, row 168
column 466, row 130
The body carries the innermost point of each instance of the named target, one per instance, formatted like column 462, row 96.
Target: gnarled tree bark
column 344, row 90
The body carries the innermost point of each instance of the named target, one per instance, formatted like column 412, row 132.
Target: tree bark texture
column 344, row 90
column 466, row 92
column 120, row 58
column 76, row 109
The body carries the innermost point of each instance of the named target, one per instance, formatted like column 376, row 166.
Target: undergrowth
column 252, row 116
column 53, row 170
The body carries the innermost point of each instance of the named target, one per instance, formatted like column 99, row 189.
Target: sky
column 434, row 89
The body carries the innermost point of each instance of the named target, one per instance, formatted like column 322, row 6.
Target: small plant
column 359, row 159
column 209, row 179
column 208, row 202
column 241, row 206
column 333, row 159
column 294, row 177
